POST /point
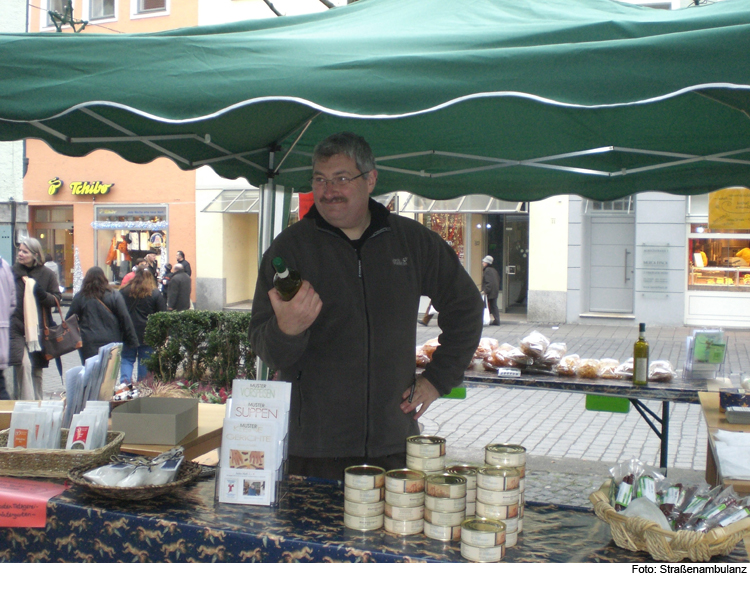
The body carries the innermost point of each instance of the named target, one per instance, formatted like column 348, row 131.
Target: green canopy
column 518, row 99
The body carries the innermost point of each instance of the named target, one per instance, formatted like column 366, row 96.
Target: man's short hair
column 350, row 144
column 177, row 267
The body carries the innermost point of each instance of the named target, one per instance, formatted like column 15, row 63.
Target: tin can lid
column 483, row 524
column 462, row 469
column 505, row 471
column 425, row 439
column 364, row 470
column 507, row 448
column 405, row 474
column 446, row 479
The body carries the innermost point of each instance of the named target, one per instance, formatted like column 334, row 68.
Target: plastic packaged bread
column 608, row 369
column 589, row 369
column 534, row 344
column 568, row 365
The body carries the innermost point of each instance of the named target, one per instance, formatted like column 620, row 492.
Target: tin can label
column 504, row 454
column 404, row 499
column 445, row 505
column 364, row 477
column 439, row 518
column 498, row 497
column 446, row 485
column 358, row 495
column 511, row 525
column 404, row 481
column 425, row 464
column 403, row 528
column 422, row 446
column 475, row 554
column 471, row 509
column 363, row 509
column 363, row 523
column 498, row 478
column 444, row 533
column 404, row 513
column 496, row 511
column 520, row 525
column 511, row 539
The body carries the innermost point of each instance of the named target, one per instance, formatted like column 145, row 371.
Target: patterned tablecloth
column 307, row 526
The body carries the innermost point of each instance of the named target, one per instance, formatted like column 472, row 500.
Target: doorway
column 611, row 262
column 508, row 244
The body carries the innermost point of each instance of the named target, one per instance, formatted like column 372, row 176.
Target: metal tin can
column 439, row 518
column 425, row 464
column 520, row 524
column 471, row 508
column 364, row 477
column 467, row 471
column 363, row 523
column 404, row 513
column 425, row 446
column 404, row 499
column 475, row 554
column 496, row 511
column 504, row 454
column 498, row 497
column 358, row 495
column 404, row 481
column 522, row 485
column 444, row 533
column 444, row 505
column 363, row 509
column 511, row 539
column 471, row 495
column 445, row 486
column 492, row 478
column 403, row 528
column 482, row 532
column 511, row 525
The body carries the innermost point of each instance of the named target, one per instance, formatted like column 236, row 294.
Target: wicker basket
column 641, row 535
column 53, row 463
column 188, row 472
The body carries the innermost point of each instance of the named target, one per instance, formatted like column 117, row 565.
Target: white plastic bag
column 486, row 318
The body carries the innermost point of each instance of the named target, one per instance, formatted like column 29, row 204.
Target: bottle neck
column 283, row 274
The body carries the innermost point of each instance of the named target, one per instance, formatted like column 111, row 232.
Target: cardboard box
column 160, row 421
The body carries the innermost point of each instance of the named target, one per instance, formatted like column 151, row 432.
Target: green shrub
column 207, row 346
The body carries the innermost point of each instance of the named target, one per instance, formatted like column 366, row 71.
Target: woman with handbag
column 142, row 298
column 102, row 315
column 26, row 355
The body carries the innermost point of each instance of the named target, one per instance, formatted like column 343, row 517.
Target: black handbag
column 61, row 339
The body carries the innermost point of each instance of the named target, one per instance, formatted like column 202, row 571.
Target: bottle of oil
column 640, row 357
column 286, row 281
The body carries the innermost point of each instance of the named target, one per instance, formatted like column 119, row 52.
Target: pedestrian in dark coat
column 30, row 265
column 185, row 265
column 178, row 298
column 102, row 315
column 491, row 288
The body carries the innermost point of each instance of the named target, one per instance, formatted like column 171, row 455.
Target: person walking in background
column 185, row 265
column 26, row 354
column 130, row 274
column 142, row 298
column 102, row 315
column 52, row 266
column 165, row 280
column 491, row 288
column 7, row 306
column 152, row 264
column 178, row 298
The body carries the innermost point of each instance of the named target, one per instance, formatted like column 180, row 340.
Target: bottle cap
column 279, row 264
column 642, row 327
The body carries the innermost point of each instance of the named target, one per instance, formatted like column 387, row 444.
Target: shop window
column 100, row 9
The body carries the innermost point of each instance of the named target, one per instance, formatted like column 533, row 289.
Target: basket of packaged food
column 671, row 521
column 136, row 478
column 54, row 463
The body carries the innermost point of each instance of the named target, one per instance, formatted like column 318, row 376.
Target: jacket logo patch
column 401, row 262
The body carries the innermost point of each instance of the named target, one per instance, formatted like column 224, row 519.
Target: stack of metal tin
column 470, row 473
column 445, row 506
column 364, row 493
column 404, row 501
column 426, row 454
column 513, row 456
column 482, row 539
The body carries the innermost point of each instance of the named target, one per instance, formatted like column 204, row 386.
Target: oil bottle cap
column 279, row 264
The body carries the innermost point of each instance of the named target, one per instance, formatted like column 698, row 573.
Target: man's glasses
column 320, row 182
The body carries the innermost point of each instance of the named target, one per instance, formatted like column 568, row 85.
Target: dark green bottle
column 286, row 281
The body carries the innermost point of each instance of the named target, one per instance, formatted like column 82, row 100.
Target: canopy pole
column 275, row 202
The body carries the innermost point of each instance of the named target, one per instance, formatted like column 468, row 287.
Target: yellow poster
column 729, row 209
